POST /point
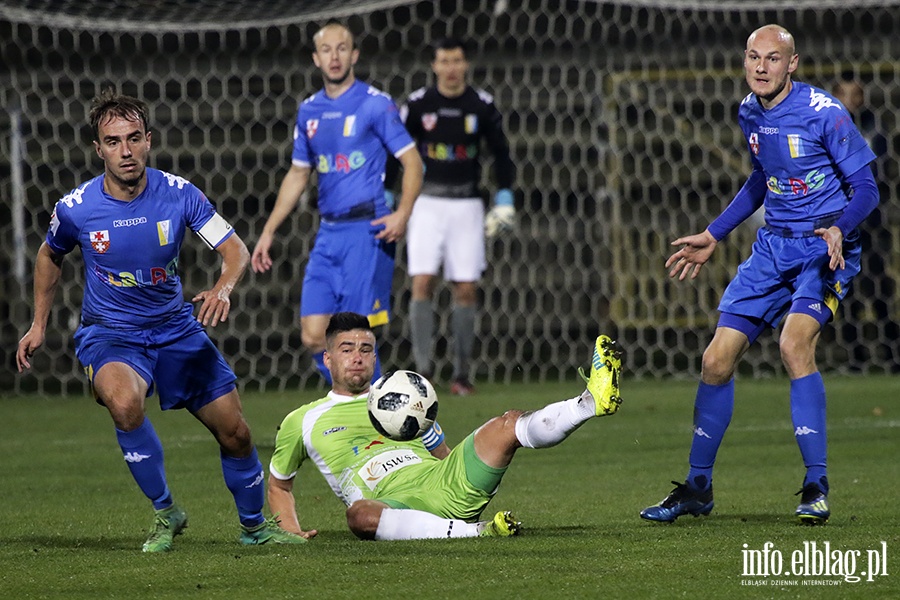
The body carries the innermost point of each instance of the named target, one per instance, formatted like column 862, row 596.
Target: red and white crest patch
column 100, row 240
column 429, row 121
column 312, row 126
column 754, row 143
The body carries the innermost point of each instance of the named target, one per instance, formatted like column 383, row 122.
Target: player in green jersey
column 418, row 489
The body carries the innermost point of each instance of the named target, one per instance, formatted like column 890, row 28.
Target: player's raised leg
column 375, row 520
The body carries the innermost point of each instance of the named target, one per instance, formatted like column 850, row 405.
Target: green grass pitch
column 73, row 521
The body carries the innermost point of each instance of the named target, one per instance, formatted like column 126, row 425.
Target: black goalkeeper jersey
column 448, row 134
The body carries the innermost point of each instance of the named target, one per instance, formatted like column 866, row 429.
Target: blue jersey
column 130, row 249
column 806, row 145
column 344, row 139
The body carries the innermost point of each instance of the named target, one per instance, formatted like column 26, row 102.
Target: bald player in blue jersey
column 344, row 132
column 137, row 334
column 812, row 173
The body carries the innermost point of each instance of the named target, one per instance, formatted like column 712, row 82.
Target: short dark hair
column 345, row 321
column 447, row 43
column 109, row 103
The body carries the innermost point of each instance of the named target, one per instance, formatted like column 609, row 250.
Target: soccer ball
column 402, row 405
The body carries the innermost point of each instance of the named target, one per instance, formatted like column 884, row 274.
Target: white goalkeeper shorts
column 448, row 231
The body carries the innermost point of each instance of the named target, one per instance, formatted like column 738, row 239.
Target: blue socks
column 713, row 408
column 244, row 479
column 808, row 417
column 144, row 454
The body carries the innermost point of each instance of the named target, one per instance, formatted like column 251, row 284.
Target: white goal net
column 622, row 120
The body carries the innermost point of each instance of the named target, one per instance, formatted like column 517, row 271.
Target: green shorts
column 458, row 487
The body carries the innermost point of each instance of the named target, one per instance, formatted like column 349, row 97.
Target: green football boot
column 168, row 523
column 603, row 383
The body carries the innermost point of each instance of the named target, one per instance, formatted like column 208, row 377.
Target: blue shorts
column 349, row 270
column 177, row 358
column 781, row 270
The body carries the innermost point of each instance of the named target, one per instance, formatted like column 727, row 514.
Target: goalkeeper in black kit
column 449, row 122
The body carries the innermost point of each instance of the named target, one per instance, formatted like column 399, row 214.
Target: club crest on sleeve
column 312, row 126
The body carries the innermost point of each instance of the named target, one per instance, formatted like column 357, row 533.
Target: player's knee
column 235, row 439
column 504, row 425
column 363, row 517
column 797, row 356
column 716, row 368
column 127, row 414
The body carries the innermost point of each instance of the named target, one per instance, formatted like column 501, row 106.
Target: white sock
column 552, row 424
column 408, row 524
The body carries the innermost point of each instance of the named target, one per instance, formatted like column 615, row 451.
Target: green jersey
column 336, row 434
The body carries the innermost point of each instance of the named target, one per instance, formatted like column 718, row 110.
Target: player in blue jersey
column 137, row 334
column 418, row 489
column 811, row 171
column 344, row 132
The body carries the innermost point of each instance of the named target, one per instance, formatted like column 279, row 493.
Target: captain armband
column 434, row 437
column 214, row 231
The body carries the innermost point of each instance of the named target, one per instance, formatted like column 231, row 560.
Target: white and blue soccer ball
column 402, row 405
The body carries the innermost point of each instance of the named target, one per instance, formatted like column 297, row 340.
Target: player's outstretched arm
column 216, row 303
column 695, row 251
column 289, row 195
column 395, row 222
column 282, row 504
column 47, row 272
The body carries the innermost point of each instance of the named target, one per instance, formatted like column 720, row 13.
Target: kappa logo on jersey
column 312, row 126
column 818, row 101
column 754, row 143
column 804, row 430
column 350, row 126
column 74, row 197
column 134, row 457
column 429, row 121
column 54, row 222
column 175, row 180
column 100, row 240
column 129, row 222
column 471, row 123
column 164, row 231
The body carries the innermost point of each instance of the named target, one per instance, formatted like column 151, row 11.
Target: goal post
column 622, row 122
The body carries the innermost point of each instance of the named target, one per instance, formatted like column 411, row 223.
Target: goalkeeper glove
column 502, row 217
